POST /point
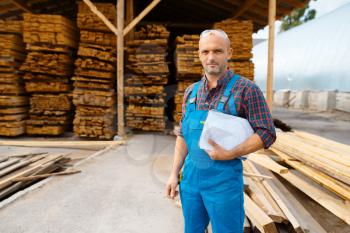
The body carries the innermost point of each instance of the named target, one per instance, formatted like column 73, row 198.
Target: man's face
column 213, row 53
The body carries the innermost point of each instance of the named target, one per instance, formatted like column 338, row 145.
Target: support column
column 271, row 44
column 120, row 66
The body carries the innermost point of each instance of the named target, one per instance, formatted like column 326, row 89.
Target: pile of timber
column 19, row 171
column 318, row 167
column 188, row 67
column 94, row 76
column 48, row 67
column 13, row 102
column 11, row 26
column 147, row 76
column 240, row 34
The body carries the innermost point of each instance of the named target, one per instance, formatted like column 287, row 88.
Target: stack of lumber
column 148, row 74
column 94, row 76
column 13, row 101
column 240, row 34
column 188, row 67
column 11, row 26
column 22, row 170
column 48, row 67
column 318, row 167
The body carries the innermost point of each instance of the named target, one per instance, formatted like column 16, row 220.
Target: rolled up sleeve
column 259, row 116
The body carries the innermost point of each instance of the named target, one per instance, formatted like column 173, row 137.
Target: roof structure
column 177, row 13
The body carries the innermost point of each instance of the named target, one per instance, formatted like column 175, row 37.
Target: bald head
column 214, row 52
column 215, row 32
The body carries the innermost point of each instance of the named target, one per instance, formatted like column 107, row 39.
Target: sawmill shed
column 107, row 96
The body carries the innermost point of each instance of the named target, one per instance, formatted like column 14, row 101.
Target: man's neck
column 213, row 79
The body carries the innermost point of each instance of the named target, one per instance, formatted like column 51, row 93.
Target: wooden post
column 129, row 17
column 269, row 83
column 120, row 66
column 94, row 9
column 140, row 16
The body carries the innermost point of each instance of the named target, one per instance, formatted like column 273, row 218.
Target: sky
column 322, row 7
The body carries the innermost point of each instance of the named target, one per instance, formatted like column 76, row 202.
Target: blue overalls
column 210, row 190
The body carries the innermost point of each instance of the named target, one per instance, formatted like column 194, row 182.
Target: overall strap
column 191, row 103
column 227, row 92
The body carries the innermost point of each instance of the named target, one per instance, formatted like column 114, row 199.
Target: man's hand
column 170, row 187
column 218, row 153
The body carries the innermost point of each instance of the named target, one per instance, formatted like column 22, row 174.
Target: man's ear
column 229, row 55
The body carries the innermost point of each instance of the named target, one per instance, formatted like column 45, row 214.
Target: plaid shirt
column 249, row 101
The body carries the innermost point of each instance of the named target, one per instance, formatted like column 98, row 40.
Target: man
column 211, row 187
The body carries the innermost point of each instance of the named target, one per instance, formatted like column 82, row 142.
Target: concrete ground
column 120, row 191
column 333, row 125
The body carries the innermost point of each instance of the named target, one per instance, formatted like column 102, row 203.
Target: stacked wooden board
column 148, row 74
column 94, row 76
column 240, row 34
column 188, row 68
column 48, row 67
column 318, row 167
column 18, row 171
column 13, row 101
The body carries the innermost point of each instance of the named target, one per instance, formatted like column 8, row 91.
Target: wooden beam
column 298, row 216
column 270, row 59
column 246, row 5
column 263, row 222
column 266, row 161
column 84, row 145
column 94, row 9
column 41, row 176
column 21, row 5
column 129, row 17
column 140, row 16
column 120, row 67
column 179, row 24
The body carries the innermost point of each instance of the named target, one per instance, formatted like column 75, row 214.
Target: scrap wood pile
column 13, row 101
column 148, row 74
column 94, row 76
column 318, row 167
column 240, row 34
column 18, row 171
column 48, row 67
column 188, row 68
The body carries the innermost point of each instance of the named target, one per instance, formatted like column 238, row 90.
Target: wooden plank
column 324, row 197
column 19, row 165
column 265, row 161
column 8, row 163
column 35, row 177
column 29, row 169
column 306, row 154
column 281, row 203
column 326, row 181
column 291, row 206
column 263, row 197
column 263, row 222
column 84, row 145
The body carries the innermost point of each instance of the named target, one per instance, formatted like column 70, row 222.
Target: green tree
column 297, row 17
